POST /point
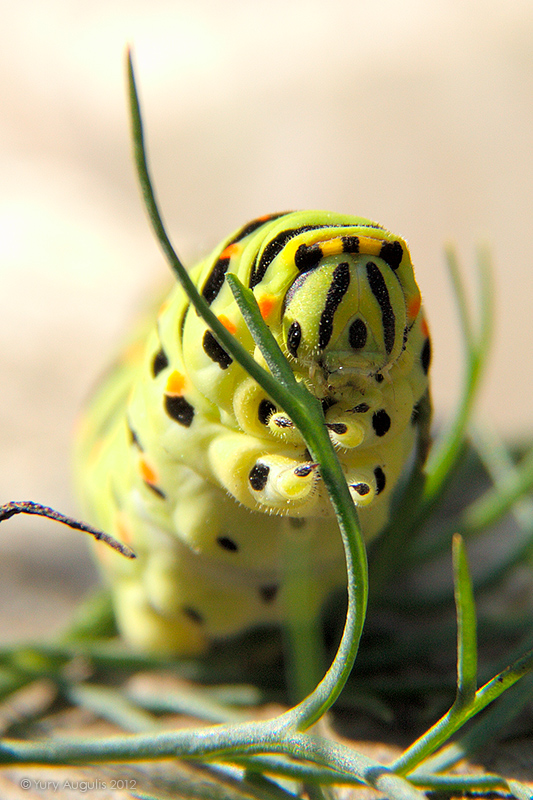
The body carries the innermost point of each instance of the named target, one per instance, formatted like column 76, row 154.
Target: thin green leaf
column 262, row 335
column 304, row 414
column 445, row 455
column 448, row 784
column 110, row 704
column 221, row 743
column 497, row 501
column 318, row 792
column 93, row 619
column 193, row 702
column 212, row 783
column 235, row 349
column 265, row 788
column 302, row 632
column 461, row 301
column 466, row 626
column 520, row 790
column 455, row 718
column 300, row 771
column 501, row 466
column 487, row 729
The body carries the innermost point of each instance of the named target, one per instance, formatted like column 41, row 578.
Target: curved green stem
column 305, row 412
column 218, row 742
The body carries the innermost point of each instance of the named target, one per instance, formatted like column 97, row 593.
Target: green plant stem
column 109, row 703
column 305, row 412
column 484, row 731
column 426, row 779
column 485, row 511
column 466, row 664
column 284, row 766
column 236, row 350
column 501, row 466
column 466, row 627
column 456, row 717
column 460, row 783
column 497, row 501
column 445, row 455
column 468, row 702
column 220, row 743
column 302, row 631
column 308, row 418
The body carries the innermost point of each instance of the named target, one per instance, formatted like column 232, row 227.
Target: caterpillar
column 184, row 457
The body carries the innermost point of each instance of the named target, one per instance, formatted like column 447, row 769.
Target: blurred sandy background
column 418, row 114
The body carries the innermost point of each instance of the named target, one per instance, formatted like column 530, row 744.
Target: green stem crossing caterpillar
column 184, row 457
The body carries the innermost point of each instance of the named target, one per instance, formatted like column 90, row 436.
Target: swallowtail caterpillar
column 184, row 457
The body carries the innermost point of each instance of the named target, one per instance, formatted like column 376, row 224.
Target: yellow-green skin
column 184, row 457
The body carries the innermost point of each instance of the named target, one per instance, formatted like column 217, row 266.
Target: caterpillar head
column 346, row 316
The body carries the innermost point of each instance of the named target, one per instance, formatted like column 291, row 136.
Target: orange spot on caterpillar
column 266, row 304
column 148, row 473
column 227, row 323
column 424, row 327
column 175, row 383
column 231, row 250
column 414, row 307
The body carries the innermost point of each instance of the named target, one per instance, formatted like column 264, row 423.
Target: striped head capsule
column 347, row 314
